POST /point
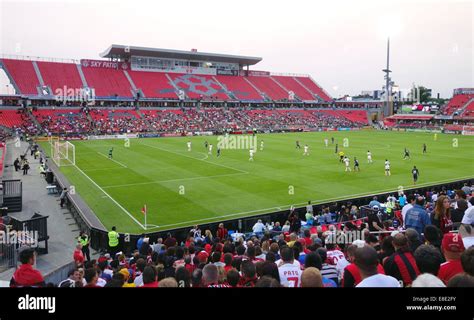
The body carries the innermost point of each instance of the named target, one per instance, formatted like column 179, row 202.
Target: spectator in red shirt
column 78, row 256
column 249, row 274
column 228, row 262
column 26, row 275
column 441, row 217
column 221, row 232
column 452, row 247
column 401, row 264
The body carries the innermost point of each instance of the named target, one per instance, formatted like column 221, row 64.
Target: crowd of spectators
column 419, row 240
column 117, row 121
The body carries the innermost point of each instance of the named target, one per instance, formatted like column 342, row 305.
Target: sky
column 340, row 43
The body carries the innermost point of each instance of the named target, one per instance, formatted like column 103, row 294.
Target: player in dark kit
column 218, row 151
column 356, row 164
column 415, row 174
column 298, row 145
column 407, row 154
column 424, row 147
column 110, row 153
column 336, row 148
column 332, row 140
column 206, row 145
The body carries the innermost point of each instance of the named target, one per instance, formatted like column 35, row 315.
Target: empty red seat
column 23, row 74
column 108, row 82
column 60, row 75
column 292, row 85
column 313, row 87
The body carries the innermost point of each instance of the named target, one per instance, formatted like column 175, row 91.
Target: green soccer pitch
column 181, row 188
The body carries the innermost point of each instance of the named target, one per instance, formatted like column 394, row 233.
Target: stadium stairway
column 261, row 93
column 281, row 86
column 38, row 73
column 175, row 86
column 148, row 124
column 81, row 75
column 229, row 93
column 467, row 108
column 62, row 229
column 34, row 120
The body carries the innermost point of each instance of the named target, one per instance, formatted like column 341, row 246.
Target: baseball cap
column 452, row 242
column 203, row 256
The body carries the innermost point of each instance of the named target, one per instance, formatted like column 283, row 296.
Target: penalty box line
column 314, row 202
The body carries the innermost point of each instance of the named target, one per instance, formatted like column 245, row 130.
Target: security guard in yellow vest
column 84, row 240
column 113, row 242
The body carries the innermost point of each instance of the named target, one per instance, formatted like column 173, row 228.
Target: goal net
column 63, row 153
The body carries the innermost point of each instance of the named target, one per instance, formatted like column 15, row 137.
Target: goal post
column 63, row 153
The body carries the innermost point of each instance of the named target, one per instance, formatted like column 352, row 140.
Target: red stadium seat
column 23, row 74
column 60, row 75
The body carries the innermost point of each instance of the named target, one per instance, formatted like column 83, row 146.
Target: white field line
column 203, row 160
column 117, row 162
column 100, row 169
column 113, row 200
column 173, row 180
column 313, row 202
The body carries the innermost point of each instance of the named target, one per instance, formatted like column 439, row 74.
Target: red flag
column 144, row 210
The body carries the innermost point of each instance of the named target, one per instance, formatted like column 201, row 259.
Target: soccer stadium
column 145, row 166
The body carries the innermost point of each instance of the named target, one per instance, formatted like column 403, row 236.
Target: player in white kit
column 306, row 150
column 347, row 162
column 261, row 145
column 210, row 149
column 369, row 156
column 326, row 142
column 251, row 152
column 189, row 145
column 387, row 168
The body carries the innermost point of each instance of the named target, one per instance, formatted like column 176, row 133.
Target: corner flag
column 144, row 210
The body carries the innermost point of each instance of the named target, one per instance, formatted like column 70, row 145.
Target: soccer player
column 298, row 145
column 348, row 163
column 415, row 174
column 435, row 136
column 251, row 152
column 336, row 148
column 210, row 149
column 306, row 150
column 110, row 152
column 407, row 154
column 189, row 145
column 387, row 168
column 326, row 142
column 332, row 140
column 341, row 156
column 356, row 164
column 369, row 156
column 424, row 147
column 206, row 145
column 261, row 145
column 218, row 151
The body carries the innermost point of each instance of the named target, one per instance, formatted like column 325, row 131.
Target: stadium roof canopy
column 124, row 52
